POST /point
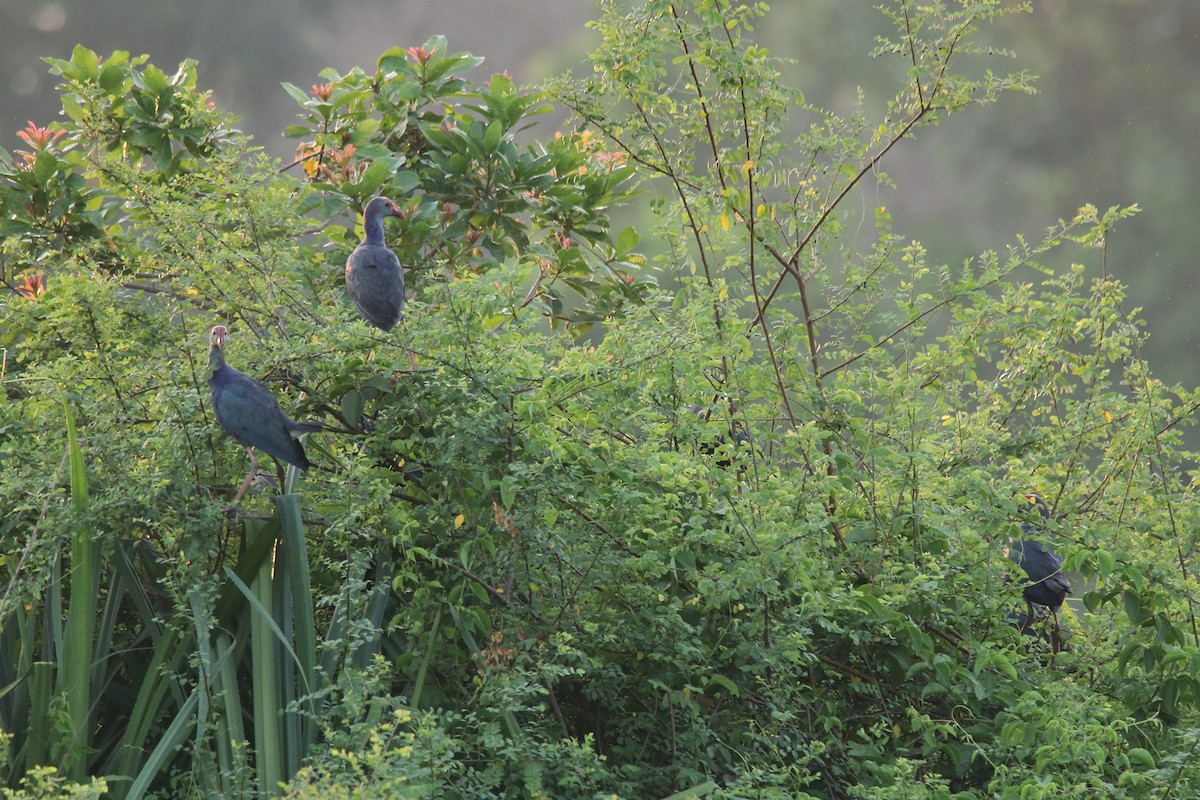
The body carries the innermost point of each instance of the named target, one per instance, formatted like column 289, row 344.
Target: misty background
column 1115, row 121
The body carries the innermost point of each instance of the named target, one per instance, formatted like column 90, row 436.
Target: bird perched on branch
column 711, row 444
column 374, row 279
column 249, row 413
column 1048, row 585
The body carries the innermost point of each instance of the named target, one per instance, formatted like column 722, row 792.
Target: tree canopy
column 685, row 474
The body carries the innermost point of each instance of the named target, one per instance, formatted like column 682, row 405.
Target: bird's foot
column 264, row 479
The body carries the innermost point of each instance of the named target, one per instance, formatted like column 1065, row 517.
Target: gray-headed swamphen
column 1048, row 585
column 374, row 279
column 249, row 413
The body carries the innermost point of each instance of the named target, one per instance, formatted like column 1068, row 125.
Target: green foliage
column 446, row 150
column 127, row 105
column 746, row 540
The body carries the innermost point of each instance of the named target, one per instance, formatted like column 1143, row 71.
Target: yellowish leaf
column 459, row 520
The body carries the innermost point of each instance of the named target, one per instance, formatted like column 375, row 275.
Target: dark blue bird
column 1048, row 585
column 249, row 413
column 374, row 279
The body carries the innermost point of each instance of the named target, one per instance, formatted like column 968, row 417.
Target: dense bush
column 718, row 510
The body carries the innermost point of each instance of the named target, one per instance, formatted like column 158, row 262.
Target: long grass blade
column 696, row 791
column 149, row 708
column 16, row 663
column 262, row 613
column 423, row 671
column 267, row 712
column 174, row 736
column 287, row 673
column 377, row 604
column 231, row 735
column 302, row 724
column 78, row 655
column 41, row 683
column 207, row 668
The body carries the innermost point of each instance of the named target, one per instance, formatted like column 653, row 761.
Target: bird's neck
column 373, row 227
column 216, row 361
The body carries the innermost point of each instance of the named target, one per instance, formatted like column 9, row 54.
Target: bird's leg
column 253, row 471
column 1028, row 617
column 1055, row 633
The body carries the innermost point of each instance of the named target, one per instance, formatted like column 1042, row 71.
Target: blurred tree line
column 1119, row 83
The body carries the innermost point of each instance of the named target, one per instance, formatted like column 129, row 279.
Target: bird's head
column 1034, row 500
column 384, row 207
column 217, row 337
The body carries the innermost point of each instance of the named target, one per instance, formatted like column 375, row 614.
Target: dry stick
column 853, row 289
column 712, row 137
column 882, row 340
column 664, row 169
column 845, row 668
column 598, row 124
column 297, row 304
column 912, row 53
column 720, row 169
column 150, row 288
column 679, row 185
column 791, row 264
column 494, row 593
column 753, row 238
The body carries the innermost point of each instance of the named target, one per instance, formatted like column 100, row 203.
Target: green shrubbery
column 718, row 510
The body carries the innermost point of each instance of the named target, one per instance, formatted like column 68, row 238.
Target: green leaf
column 299, row 95
column 86, row 62
column 353, row 404
column 725, row 683
column 1134, row 609
column 1141, row 758
column 114, row 72
column 72, row 107
column 627, row 241
column 491, row 139
column 155, row 80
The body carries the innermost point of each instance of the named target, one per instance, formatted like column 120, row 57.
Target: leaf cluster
column 473, row 195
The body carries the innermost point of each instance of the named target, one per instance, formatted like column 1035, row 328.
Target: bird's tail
column 300, row 428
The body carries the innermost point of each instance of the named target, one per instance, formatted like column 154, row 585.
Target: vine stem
column 790, row 263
